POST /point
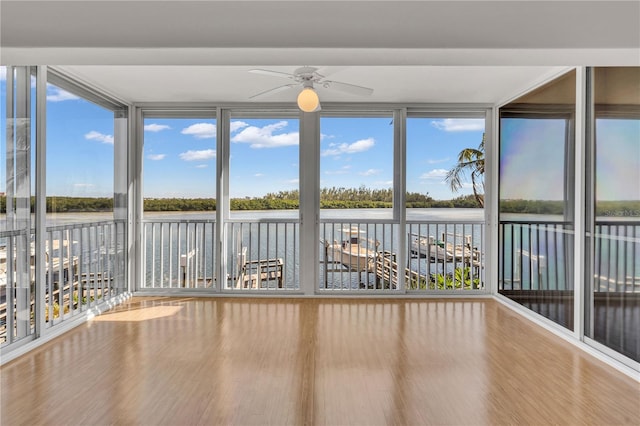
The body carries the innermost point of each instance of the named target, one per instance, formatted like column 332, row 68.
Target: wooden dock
column 259, row 273
column 386, row 269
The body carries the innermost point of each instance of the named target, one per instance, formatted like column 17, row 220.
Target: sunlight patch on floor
column 141, row 314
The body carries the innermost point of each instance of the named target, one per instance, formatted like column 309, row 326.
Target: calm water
column 268, row 241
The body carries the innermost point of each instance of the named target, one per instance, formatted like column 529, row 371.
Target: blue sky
column 180, row 154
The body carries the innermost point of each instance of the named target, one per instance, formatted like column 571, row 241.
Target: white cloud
column 153, row 127
column 56, row 94
column 205, row 154
column 202, row 166
column 345, row 148
column 83, row 185
column 383, row 183
column 156, row 157
column 459, row 124
column 200, row 130
column 435, row 174
column 237, row 125
column 264, row 137
column 100, row 137
column 258, row 175
column 370, row 172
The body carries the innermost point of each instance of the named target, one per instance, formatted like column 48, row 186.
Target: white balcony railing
column 363, row 255
column 179, row 253
column 84, row 268
column 263, row 254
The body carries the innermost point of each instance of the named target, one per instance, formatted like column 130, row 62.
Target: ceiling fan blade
column 347, row 88
column 272, row 91
column 272, row 73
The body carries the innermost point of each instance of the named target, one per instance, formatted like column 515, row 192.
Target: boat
column 443, row 251
column 355, row 251
column 428, row 246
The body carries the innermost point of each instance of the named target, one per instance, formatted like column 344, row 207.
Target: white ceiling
column 411, row 84
column 415, row 51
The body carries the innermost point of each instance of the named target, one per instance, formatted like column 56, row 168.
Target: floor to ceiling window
column 179, row 201
column 612, row 297
column 63, row 227
column 85, row 240
column 444, row 201
column 262, row 229
column 356, row 200
column 536, row 200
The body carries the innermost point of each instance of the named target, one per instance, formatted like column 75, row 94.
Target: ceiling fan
column 306, row 77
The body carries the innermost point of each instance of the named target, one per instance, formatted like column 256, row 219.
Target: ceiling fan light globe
column 308, row 100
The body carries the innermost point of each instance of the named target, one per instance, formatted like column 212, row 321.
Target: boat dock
column 259, row 273
column 431, row 264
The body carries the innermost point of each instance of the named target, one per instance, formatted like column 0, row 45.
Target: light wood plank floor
column 180, row 361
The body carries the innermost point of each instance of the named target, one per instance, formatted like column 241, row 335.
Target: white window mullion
column 579, row 207
column 309, row 201
column 41, row 205
column 400, row 191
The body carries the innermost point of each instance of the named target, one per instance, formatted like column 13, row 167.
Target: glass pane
column 179, row 202
column 17, row 191
column 444, row 200
column 263, row 167
column 536, row 200
column 84, row 245
column 356, row 167
column 263, row 233
column 445, row 164
column 80, row 159
column 356, row 204
column 613, row 302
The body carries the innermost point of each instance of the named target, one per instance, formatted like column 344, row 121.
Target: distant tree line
column 603, row 208
column 330, row 198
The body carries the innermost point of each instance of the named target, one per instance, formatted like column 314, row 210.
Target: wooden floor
column 183, row 361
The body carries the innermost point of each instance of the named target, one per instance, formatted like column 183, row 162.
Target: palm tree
column 469, row 160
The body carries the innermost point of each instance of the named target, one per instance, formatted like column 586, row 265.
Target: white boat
column 443, row 251
column 355, row 251
column 428, row 246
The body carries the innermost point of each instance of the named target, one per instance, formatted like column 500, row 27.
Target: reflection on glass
column 536, row 200
column 613, row 296
column 17, row 154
